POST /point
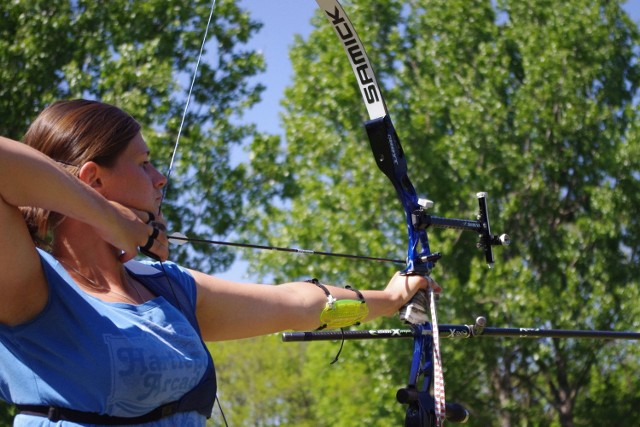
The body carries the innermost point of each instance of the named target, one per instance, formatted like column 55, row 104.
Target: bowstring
column 175, row 152
column 438, row 374
column 188, row 102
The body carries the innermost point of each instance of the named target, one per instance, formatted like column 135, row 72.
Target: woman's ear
column 90, row 175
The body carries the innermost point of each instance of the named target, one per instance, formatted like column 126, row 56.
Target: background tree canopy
column 534, row 102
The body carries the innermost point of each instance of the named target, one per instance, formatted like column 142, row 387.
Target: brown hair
column 73, row 133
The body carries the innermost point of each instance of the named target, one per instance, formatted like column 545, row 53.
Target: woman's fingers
column 433, row 285
column 137, row 231
column 157, row 245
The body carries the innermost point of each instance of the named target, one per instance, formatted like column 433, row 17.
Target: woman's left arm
column 232, row 310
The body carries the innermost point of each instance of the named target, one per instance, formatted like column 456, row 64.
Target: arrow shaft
column 285, row 249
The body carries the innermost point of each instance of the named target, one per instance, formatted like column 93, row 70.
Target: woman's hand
column 404, row 287
column 134, row 230
column 157, row 245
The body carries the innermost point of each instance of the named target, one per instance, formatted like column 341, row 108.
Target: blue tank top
column 109, row 358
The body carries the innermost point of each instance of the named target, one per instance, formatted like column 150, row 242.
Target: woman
column 89, row 336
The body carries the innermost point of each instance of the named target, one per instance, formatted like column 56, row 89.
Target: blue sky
column 283, row 19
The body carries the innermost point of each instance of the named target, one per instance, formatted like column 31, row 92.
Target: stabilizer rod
column 460, row 331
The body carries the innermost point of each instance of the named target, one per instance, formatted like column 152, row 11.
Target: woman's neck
column 81, row 244
column 94, row 264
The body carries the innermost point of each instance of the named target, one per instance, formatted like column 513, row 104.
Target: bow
column 423, row 408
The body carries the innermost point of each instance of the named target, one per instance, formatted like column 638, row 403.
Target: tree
column 535, row 103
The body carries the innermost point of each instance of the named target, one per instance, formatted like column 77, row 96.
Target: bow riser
column 391, row 160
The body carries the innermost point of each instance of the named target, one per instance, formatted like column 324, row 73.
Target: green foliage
column 534, row 102
column 261, row 381
column 7, row 412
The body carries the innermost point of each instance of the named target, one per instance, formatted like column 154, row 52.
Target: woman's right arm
column 29, row 178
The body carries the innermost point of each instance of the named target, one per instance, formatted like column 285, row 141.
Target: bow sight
column 421, row 220
column 391, row 160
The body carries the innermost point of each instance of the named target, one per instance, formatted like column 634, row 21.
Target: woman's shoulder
column 167, row 279
column 158, row 270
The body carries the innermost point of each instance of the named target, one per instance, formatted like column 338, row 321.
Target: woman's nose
column 159, row 179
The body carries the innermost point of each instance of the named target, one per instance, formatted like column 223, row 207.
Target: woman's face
column 133, row 181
